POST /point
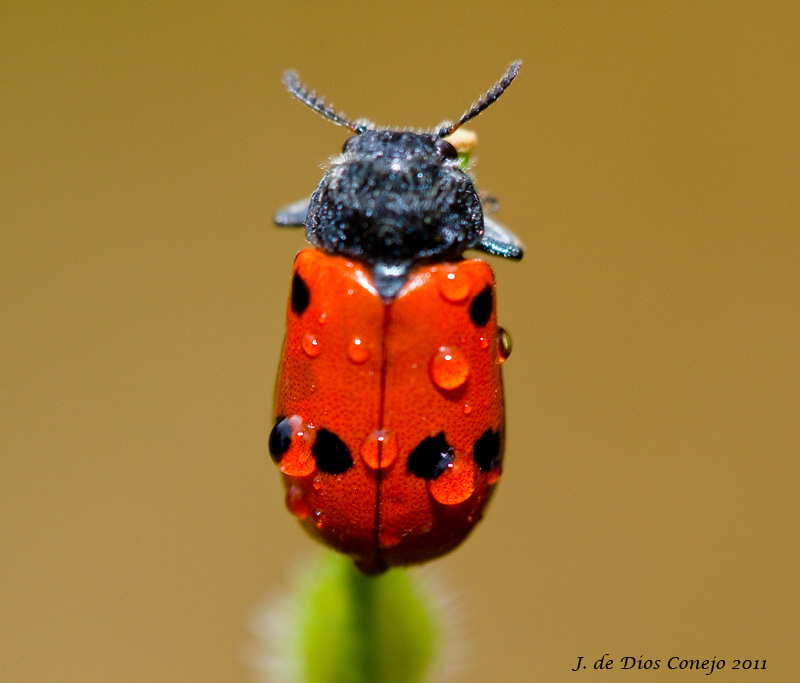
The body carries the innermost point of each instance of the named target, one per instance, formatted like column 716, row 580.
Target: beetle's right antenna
column 308, row 97
column 483, row 101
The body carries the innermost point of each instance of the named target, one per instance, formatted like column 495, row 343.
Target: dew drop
column 296, row 502
column 453, row 285
column 467, row 409
column 357, row 350
column 449, row 368
column 493, row 476
column 298, row 461
column 379, row 449
column 318, row 517
column 503, row 344
column 311, row 345
column 456, row 483
column 322, row 318
column 317, row 483
column 388, row 539
column 484, row 342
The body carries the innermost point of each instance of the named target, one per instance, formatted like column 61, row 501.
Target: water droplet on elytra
column 456, row 483
column 449, row 368
column 357, row 350
column 484, row 342
column 296, row 502
column 298, row 461
column 310, row 345
column 467, row 409
column 503, row 344
column 387, row 538
column 493, row 476
column 322, row 317
column 453, row 285
column 379, row 449
column 318, row 518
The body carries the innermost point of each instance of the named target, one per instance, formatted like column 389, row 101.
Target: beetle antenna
column 483, row 101
column 308, row 97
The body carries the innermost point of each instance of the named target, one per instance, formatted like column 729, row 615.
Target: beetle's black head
column 394, row 198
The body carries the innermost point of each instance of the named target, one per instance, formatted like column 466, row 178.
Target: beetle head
column 395, row 198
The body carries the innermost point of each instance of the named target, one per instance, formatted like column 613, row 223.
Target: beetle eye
column 446, row 150
column 348, row 142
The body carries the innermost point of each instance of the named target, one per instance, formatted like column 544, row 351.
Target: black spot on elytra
column 431, row 457
column 332, row 454
column 481, row 309
column 280, row 438
column 300, row 295
column 487, row 450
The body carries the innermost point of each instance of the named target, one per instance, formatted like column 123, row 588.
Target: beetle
column 388, row 414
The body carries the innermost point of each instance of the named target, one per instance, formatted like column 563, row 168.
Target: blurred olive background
column 649, row 157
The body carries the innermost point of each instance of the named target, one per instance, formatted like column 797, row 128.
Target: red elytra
column 389, row 415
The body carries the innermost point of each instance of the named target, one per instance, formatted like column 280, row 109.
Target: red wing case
column 389, row 416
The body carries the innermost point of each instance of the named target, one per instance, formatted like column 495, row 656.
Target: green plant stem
column 362, row 594
column 352, row 628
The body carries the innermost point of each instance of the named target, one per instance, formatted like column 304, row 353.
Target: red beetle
column 389, row 424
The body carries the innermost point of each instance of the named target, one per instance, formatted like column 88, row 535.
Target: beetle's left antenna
column 483, row 101
column 308, row 97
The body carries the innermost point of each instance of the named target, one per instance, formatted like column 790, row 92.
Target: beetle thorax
column 395, row 197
